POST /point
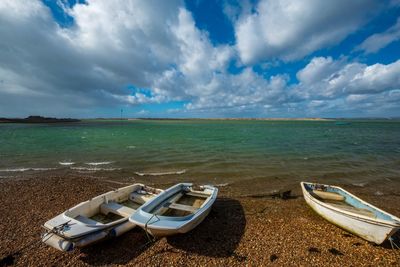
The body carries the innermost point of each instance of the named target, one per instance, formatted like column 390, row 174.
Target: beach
column 243, row 228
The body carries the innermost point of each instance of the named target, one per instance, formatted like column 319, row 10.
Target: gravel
column 240, row 230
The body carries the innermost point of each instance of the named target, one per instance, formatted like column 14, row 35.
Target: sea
column 220, row 152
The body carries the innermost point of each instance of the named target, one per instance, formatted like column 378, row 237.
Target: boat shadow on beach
column 218, row 235
column 394, row 244
column 119, row 250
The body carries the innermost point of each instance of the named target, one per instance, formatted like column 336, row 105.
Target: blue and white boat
column 178, row 209
column 97, row 219
column 350, row 212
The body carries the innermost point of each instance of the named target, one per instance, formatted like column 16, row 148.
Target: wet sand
column 242, row 229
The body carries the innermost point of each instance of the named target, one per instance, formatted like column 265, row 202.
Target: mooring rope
column 150, row 240
column 392, row 243
column 55, row 230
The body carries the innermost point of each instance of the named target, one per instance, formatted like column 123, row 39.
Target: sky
column 200, row 58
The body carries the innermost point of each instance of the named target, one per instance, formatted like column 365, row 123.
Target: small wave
column 131, row 147
column 42, row 169
column 378, row 193
column 222, row 185
column 160, row 173
column 94, row 169
column 26, row 169
column 15, row 170
column 99, row 163
column 66, row 163
column 360, row 184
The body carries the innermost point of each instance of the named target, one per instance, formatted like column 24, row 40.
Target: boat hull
column 160, row 226
column 64, row 244
column 168, row 231
column 75, row 227
column 370, row 230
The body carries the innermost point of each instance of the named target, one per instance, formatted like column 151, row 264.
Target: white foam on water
column 15, row 170
column 66, row 163
column 160, row 173
column 222, row 185
column 93, row 169
column 131, row 147
column 42, row 169
column 22, row 169
column 99, row 163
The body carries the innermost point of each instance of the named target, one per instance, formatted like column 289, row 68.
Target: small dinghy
column 350, row 213
column 178, row 209
column 98, row 218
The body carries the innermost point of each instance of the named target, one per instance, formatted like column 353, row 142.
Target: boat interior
column 111, row 207
column 182, row 203
column 338, row 198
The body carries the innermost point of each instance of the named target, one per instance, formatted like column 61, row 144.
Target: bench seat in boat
column 116, row 208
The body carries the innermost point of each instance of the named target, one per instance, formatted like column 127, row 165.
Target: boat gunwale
column 376, row 221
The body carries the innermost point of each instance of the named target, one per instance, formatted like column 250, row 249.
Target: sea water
column 214, row 151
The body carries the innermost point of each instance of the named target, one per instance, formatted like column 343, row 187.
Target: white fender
column 57, row 242
column 123, row 228
column 90, row 239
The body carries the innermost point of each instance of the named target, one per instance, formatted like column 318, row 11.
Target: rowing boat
column 99, row 218
column 350, row 212
column 178, row 209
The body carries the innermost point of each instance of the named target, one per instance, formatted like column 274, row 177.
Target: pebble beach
column 241, row 230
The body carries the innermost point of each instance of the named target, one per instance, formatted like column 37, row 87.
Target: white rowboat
column 178, row 209
column 350, row 212
column 99, row 218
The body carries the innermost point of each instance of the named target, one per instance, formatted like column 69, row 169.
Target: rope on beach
column 392, row 243
column 55, row 230
column 11, row 257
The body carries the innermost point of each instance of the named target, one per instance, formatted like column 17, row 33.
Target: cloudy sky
column 200, row 58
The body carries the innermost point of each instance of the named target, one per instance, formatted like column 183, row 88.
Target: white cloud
column 324, row 78
column 111, row 45
column 289, row 30
column 320, row 68
column 155, row 47
column 378, row 41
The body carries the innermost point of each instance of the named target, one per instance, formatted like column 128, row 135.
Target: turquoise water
column 214, row 151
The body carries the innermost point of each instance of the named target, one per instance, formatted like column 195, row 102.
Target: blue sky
column 200, row 58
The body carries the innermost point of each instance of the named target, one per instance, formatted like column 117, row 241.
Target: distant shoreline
column 40, row 119
column 37, row 119
column 239, row 119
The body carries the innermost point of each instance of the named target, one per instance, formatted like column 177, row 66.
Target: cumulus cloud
column 111, row 45
column 318, row 69
column 378, row 41
column 289, row 30
column 339, row 78
column 118, row 52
